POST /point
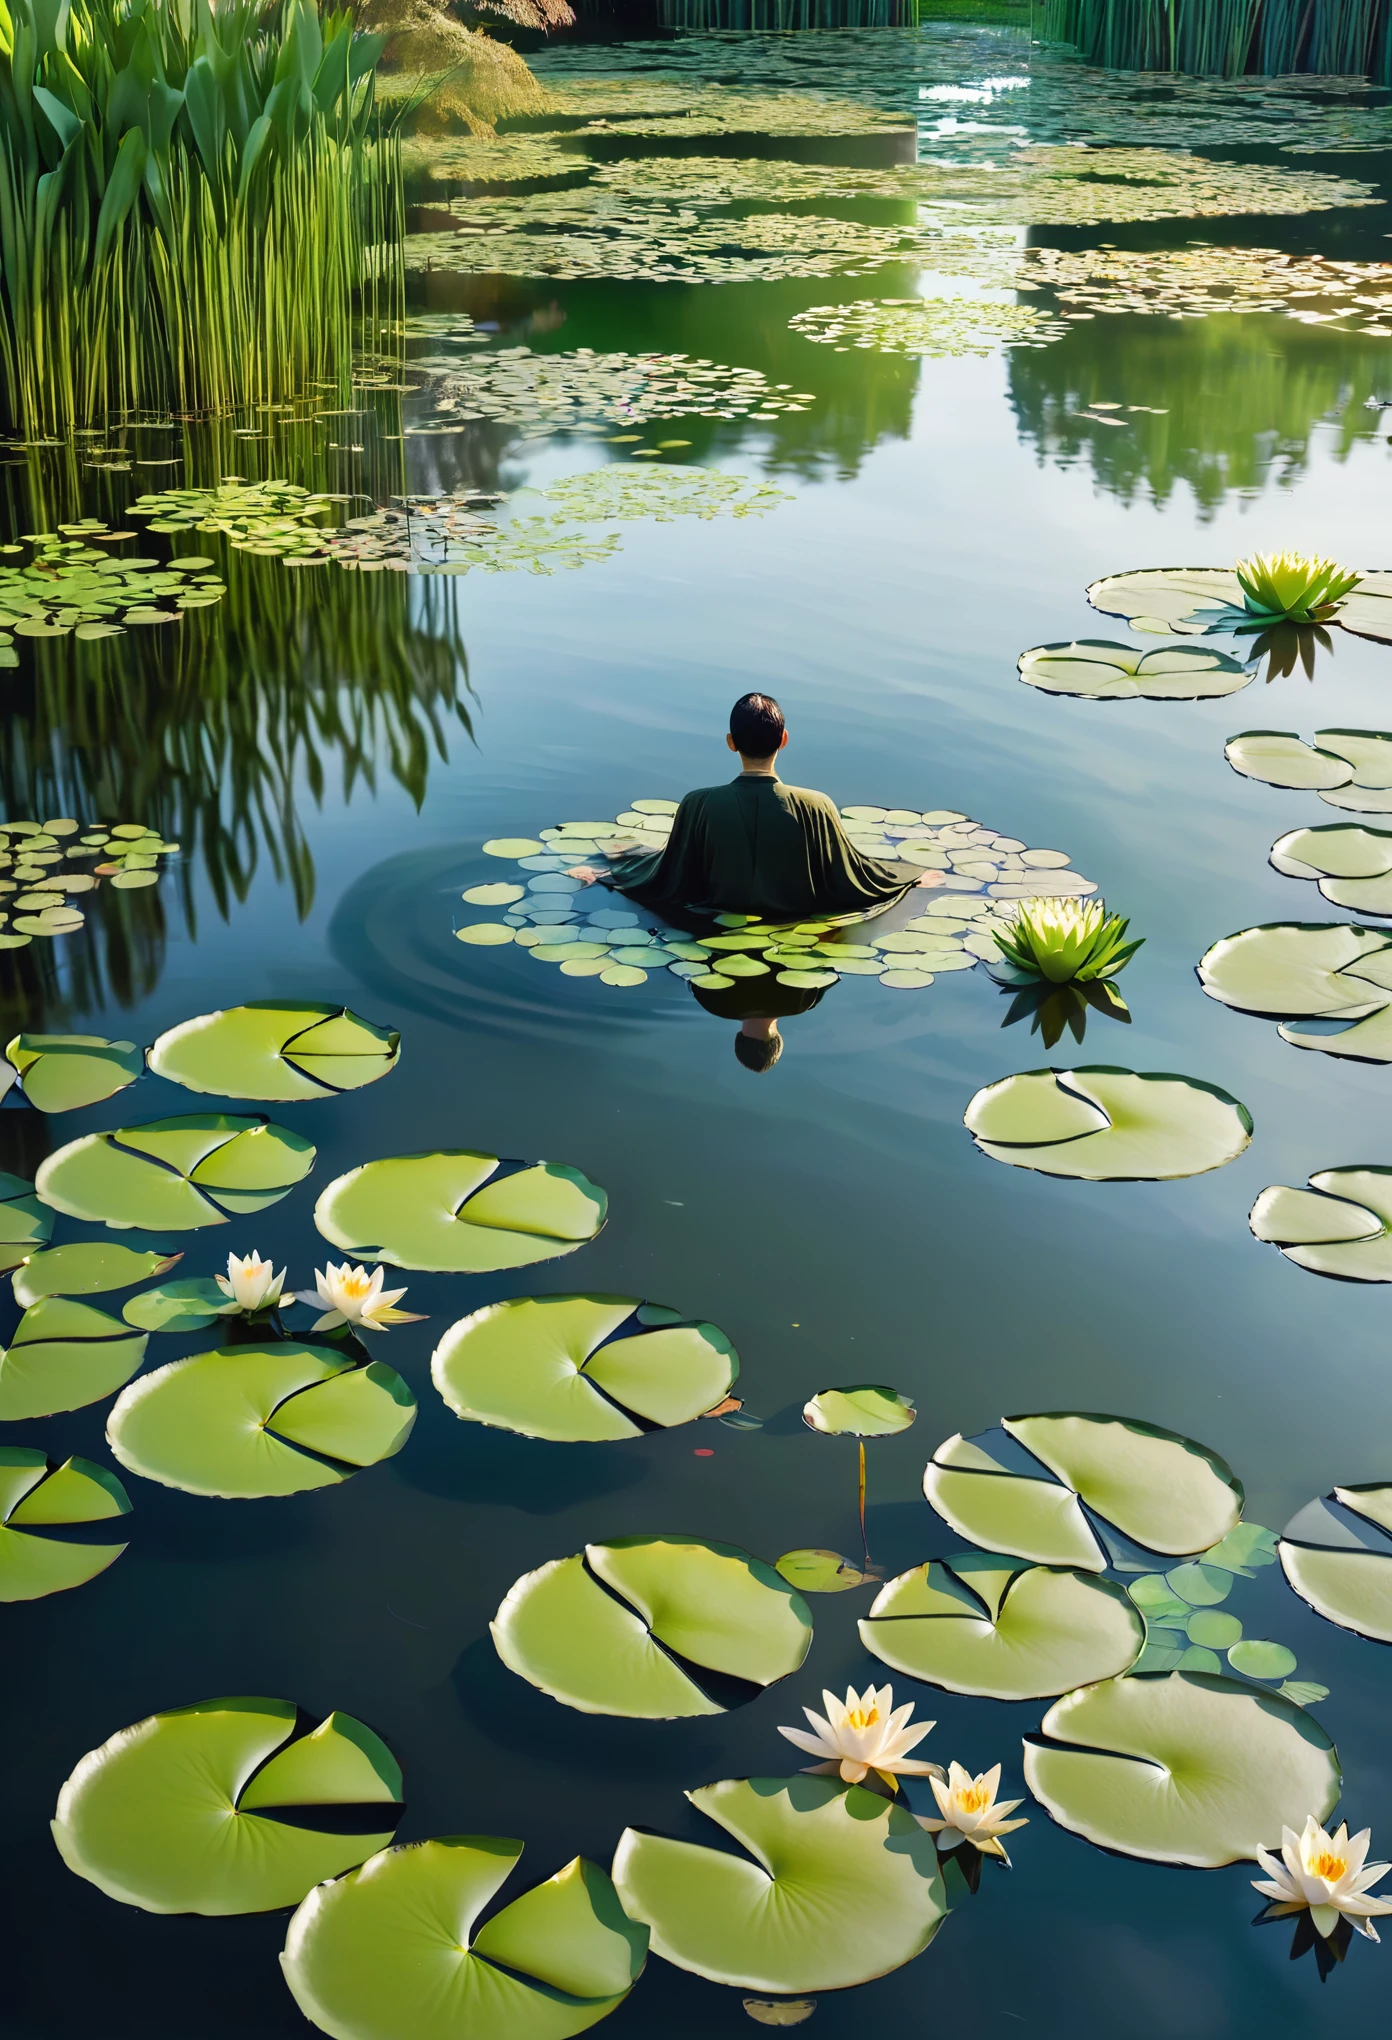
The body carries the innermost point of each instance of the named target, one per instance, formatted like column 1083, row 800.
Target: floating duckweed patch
column 582, row 1368
column 1335, row 976
column 45, row 866
column 392, row 1947
column 37, row 1497
column 481, row 161
column 1096, row 669
column 1193, row 601
column 181, row 1812
column 1108, row 1125
column 633, row 1627
column 64, row 1355
column 648, row 106
column 842, row 1886
column 610, row 494
column 545, row 393
column 1197, row 282
column 1337, row 1555
column 455, row 1213
column 175, row 1174
column 926, row 326
column 1340, row 1226
column 1347, row 768
column 73, row 588
column 1352, row 864
column 276, row 1050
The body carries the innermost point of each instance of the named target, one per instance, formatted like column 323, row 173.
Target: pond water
column 333, row 750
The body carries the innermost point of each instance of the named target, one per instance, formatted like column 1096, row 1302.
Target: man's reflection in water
column 758, row 1004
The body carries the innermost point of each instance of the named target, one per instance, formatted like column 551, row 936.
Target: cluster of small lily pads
column 45, row 866
column 1195, row 282
column 545, row 393
column 926, row 326
column 72, row 586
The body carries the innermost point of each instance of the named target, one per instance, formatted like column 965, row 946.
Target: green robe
column 756, row 846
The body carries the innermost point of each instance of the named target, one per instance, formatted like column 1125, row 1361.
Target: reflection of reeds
column 786, row 14
column 1226, row 38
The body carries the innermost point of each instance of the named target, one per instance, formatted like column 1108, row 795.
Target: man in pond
column 756, row 846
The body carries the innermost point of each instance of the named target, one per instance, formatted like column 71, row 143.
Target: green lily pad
column 178, row 1813
column 867, row 1411
column 36, row 1496
column 838, row 1886
column 1182, row 1767
column 1160, row 1490
column 813, row 1571
column 1186, row 601
column 1280, row 758
column 25, row 1222
column 1108, row 1125
column 232, row 1422
column 86, row 1268
column 276, row 1050
column 630, row 1627
column 391, row 1948
column 1337, row 1554
column 581, row 1368
column 452, row 1212
column 1294, row 970
column 176, row 1174
column 1098, row 670
column 978, row 1623
column 59, row 1072
column 1257, row 1659
column 187, row 1306
column 1341, row 1226
column 63, row 1356
column 1352, row 864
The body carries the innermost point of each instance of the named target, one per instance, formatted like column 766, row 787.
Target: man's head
column 757, row 729
column 758, row 1045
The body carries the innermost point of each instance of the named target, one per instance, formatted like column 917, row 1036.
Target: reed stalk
column 1229, row 38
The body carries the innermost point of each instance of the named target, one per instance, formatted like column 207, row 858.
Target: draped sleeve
column 668, row 879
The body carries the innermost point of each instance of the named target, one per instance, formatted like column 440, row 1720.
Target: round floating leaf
column 453, row 1213
column 1338, row 1556
column 867, row 1411
column 581, row 1368
column 1301, row 968
column 1159, row 1489
column 632, row 1626
column 484, row 935
column 1182, row 1767
column 25, row 1223
column 175, row 1174
column 1164, row 600
column 976, row 1623
column 843, row 1886
column 1104, row 1124
column 821, row 1572
column 1099, row 670
column 391, row 1948
column 515, row 847
column 780, row 2011
column 172, row 1814
column 60, row 1072
column 1279, row 758
column 86, row 1268
column 275, row 1049
column 63, row 1356
column 36, row 1496
column 502, row 895
column 1341, row 1226
column 231, row 1422
column 1256, row 1659
column 186, row 1306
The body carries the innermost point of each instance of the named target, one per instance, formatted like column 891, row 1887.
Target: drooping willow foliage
column 1229, row 38
column 192, row 198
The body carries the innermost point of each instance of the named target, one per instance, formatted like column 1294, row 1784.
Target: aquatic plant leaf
column 1183, row 600
column 391, row 1947
column 670, row 1602
column 63, row 1356
column 867, row 1411
column 1182, row 1767
column 1341, row 1226
column 975, row 1623
column 580, row 1368
column 780, row 2011
column 85, row 1268
column 276, row 1050
column 453, row 1213
column 1367, row 612
column 173, row 1175
column 59, row 1072
column 1302, row 969
column 838, row 1886
column 1339, row 1559
column 161, row 1816
column 1279, row 758
column 185, row 1306
column 1099, row 670
column 927, row 327
column 25, row 1222
column 1157, row 1126
column 34, row 1494
column 1257, row 1659
column 1352, row 863
column 813, row 1571
column 231, row 1422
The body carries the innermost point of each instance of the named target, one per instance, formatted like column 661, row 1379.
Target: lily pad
column 63, row 1356
column 452, row 1212
column 391, row 1948
column 978, row 1623
column 246, row 1421
column 633, row 1626
column 176, row 1174
column 1098, row 670
column 1352, row 864
column 186, row 1306
column 1104, row 1124
column 276, row 1050
column 581, row 1368
column 179, row 1814
column 1163, row 600
column 60, row 1072
column 868, row 1411
column 25, row 1222
column 1298, row 970
column 36, row 1496
column 1280, row 758
column 1160, row 1490
column 838, row 1886
column 86, row 1268
column 1337, row 1554
column 813, row 1571
column 1340, row 1226
column 1181, row 1767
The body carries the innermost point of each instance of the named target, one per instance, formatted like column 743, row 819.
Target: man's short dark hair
column 756, row 724
column 758, row 1052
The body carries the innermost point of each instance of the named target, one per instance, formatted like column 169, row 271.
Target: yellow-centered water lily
column 251, row 1282
column 355, row 1298
column 865, row 1733
column 1328, row 1875
column 970, row 1811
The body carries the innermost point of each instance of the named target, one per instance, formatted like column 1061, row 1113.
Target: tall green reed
column 1228, row 38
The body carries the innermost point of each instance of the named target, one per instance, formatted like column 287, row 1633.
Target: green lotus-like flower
column 1294, row 586
column 1066, row 941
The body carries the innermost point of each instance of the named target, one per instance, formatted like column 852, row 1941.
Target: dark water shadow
column 465, row 1462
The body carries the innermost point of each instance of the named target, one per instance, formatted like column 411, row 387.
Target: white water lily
column 1326, row 1874
column 355, row 1298
column 251, row 1282
column 864, row 1735
column 970, row 1812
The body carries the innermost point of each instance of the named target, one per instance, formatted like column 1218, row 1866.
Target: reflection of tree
column 1243, row 397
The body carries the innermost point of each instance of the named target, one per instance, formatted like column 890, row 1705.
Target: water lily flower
column 864, row 1735
column 355, row 1298
column 1326, row 1874
column 970, row 1812
column 251, row 1282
